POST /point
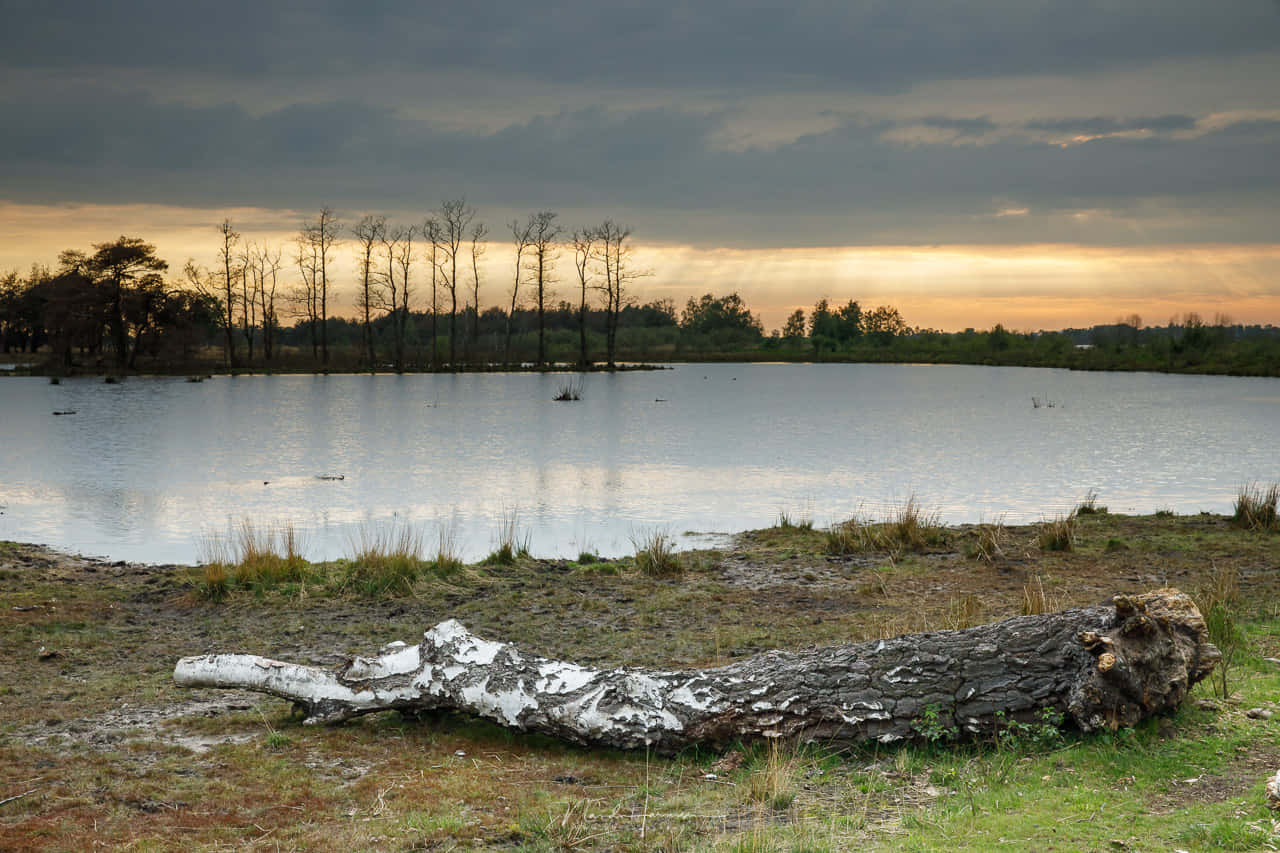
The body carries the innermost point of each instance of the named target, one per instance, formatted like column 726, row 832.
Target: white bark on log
column 1101, row 667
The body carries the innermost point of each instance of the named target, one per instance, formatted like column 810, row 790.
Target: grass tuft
column 1035, row 600
column 913, row 527
column 852, row 536
column 1089, row 506
column 1219, row 601
column 1255, row 508
column 385, row 559
column 569, row 392
column 786, row 522
column 964, row 611
column 251, row 556
column 656, row 554
column 1059, row 534
column 216, row 584
column 908, row 527
column 989, row 541
column 773, row 782
column 446, row 560
column 511, row 545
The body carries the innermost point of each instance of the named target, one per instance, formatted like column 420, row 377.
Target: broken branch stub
column 1101, row 667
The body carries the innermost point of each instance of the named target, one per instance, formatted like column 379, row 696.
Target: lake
column 148, row 468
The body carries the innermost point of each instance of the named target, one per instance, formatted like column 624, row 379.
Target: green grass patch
column 656, row 555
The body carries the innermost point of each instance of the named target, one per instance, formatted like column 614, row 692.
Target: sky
column 1037, row 163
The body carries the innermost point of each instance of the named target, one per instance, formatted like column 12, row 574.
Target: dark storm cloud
column 650, row 111
column 1100, row 125
column 874, row 45
column 962, row 126
column 110, row 148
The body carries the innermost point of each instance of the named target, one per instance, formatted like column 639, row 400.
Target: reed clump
column 569, row 392
column 1219, row 600
column 446, row 559
column 989, row 541
column 252, row 555
column 913, row 526
column 1058, row 534
column 964, row 611
column 786, row 521
column 512, row 544
column 907, row 527
column 1090, row 505
column 1256, row 508
column 851, row 536
column 656, row 554
column 773, row 782
column 385, row 559
column 1036, row 600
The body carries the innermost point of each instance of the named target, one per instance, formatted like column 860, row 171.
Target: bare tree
column 369, row 232
column 478, row 248
column 432, row 232
column 227, row 290
column 305, row 298
column 249, row 285
column 322, row 234
column 269, row 265
column 455, row 218
column 542, row 245
column 521, row 236
column 584, row 241
column 615, row 255
column 397, row 246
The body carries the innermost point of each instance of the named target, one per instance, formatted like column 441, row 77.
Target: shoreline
column 197, row 371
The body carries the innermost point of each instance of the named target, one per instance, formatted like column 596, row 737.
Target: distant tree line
column 112, row 305
column 418, row 306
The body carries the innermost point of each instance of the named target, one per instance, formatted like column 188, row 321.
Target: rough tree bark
column 1101, row 667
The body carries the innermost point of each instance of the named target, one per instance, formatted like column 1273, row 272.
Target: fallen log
column 1098, row 667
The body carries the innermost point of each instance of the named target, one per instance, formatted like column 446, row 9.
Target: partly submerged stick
column 1100, row 667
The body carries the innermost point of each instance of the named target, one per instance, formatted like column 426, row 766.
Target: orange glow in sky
column 950, row 287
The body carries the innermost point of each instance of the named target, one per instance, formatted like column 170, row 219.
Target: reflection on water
column 146, row 467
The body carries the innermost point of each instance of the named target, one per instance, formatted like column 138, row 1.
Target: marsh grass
column 385, row 559
column 774, row 777
column 1218, row 598
column 964, row 611
column 1256, row 507
column 446, row 559
column 251, row 556
column 913, row 526
column 1059, row 534
column 216, row 583
column 569, row 392
column 656, row 554
column 1089, row 506
column 989, row 540
column 788, row 522
column 851, row 536
column 906, row 527
column 1036, row 600
column 512, row 544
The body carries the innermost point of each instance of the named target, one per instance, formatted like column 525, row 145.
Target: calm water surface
column 146, row 469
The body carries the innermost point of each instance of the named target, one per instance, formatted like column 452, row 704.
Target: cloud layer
column 714, row 124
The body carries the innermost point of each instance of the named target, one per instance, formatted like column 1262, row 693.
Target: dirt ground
column 101, row 748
